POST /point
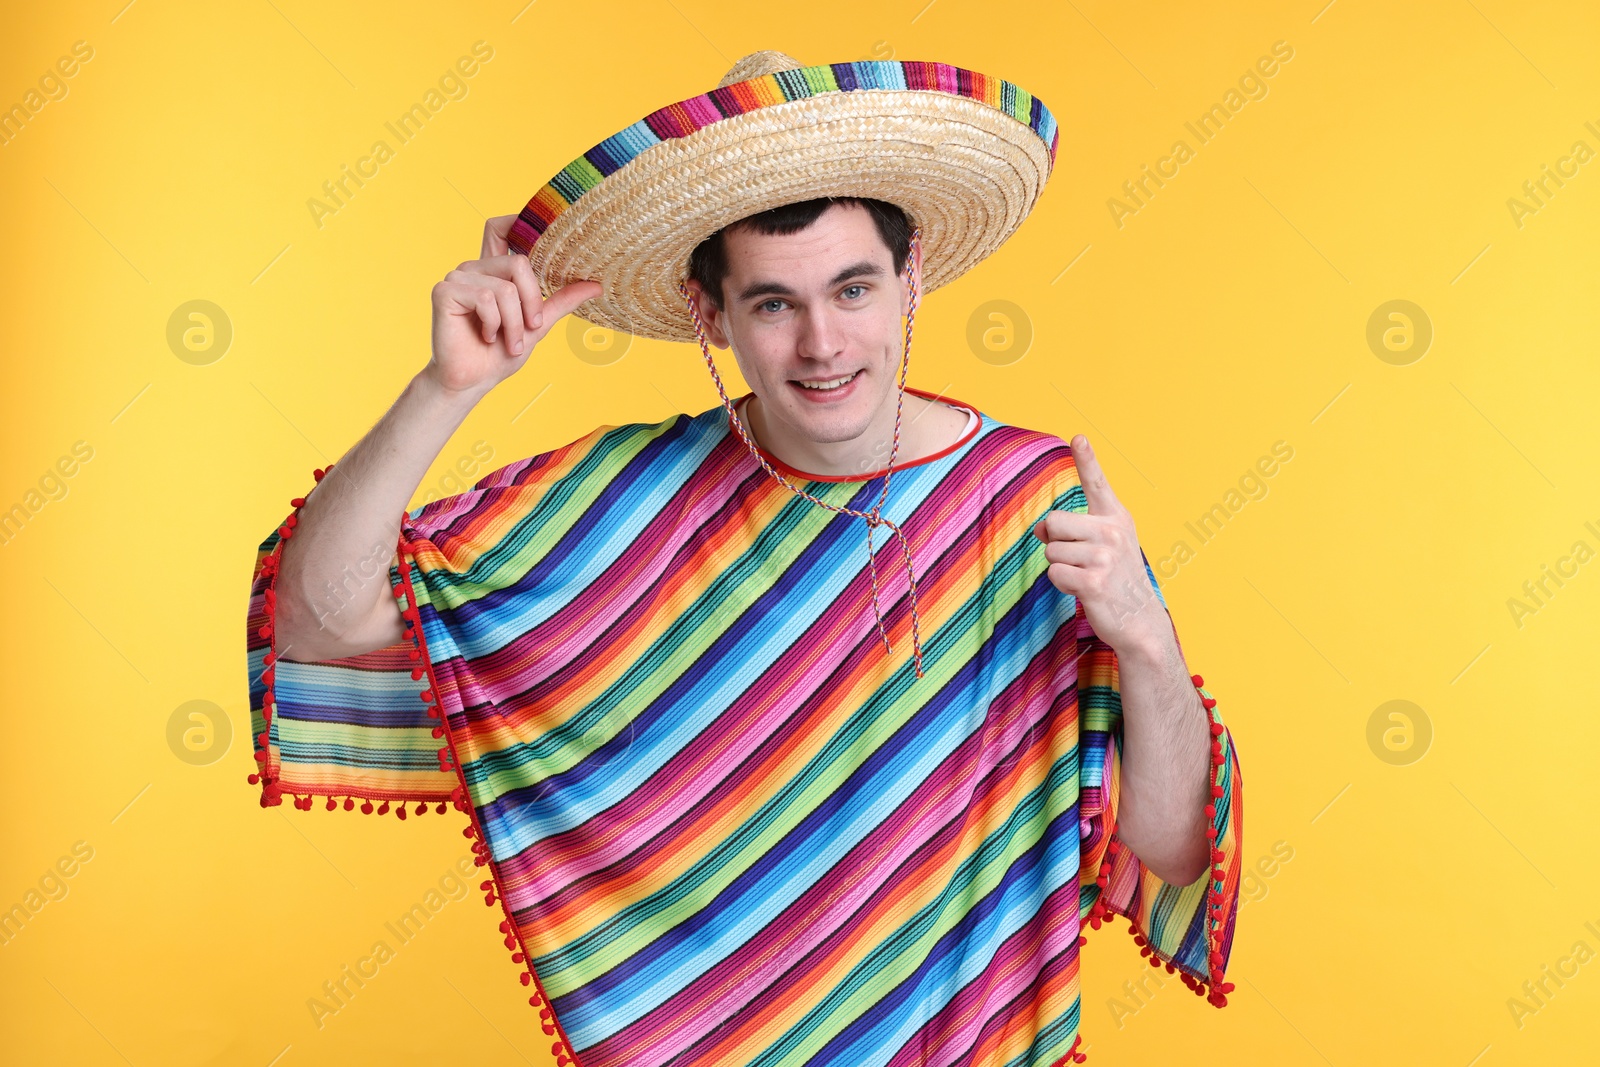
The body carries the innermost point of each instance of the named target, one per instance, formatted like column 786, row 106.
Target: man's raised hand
column 488, row 314
column 1096, row 557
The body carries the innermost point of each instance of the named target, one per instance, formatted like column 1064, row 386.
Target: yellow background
column 1229, row 313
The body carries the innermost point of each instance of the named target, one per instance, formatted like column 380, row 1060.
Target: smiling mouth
column 827, row 385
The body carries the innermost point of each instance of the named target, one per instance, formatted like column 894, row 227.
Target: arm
column 332, row 601
column 1189, row 925
column 1095, row 556
column 487, row 316
column 1166, row 765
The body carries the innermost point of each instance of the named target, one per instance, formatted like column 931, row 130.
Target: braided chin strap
column 874, row 517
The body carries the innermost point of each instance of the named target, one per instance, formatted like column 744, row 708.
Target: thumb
column 567, row 298
column 495, row 234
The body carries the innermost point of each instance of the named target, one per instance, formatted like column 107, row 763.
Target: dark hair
column 708, row 263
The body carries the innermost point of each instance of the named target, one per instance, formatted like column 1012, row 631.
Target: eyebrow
column 866, row 268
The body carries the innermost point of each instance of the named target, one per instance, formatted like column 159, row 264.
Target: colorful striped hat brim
column 964, row 153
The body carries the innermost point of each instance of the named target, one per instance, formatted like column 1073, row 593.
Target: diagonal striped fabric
column 722, row 825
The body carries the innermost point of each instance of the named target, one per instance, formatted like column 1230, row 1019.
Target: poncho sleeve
column 350, row 728
column 365, row 729
column 1189, row 928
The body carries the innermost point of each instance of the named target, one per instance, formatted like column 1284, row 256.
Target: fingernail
column 516, row 349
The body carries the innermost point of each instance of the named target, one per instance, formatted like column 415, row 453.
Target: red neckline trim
column 795, row 471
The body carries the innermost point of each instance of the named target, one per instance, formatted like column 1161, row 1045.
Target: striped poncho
column 720, row 824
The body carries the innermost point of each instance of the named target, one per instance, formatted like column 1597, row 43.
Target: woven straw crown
column 966, row 155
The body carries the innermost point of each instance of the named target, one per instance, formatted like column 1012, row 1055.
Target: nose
column 821, row 334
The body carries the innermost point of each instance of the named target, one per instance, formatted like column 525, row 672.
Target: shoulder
column 1022, row 449
column 600, row 456
column 609, row 446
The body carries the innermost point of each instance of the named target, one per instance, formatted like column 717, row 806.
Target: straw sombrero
column 966, row 155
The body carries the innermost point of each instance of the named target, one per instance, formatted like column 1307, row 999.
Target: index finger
column 1096, row 490
column 516, row 270
column 496, row 232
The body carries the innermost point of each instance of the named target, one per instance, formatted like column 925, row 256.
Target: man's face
column 816, row 306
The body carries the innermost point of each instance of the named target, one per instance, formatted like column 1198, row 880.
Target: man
column 723, row 823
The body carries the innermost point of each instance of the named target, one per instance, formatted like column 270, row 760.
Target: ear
column 710, row 316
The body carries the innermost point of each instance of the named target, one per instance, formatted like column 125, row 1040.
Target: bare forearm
column 1165, row 762
column 333, row 592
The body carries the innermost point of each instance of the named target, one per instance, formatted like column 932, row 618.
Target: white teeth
column 834, row 384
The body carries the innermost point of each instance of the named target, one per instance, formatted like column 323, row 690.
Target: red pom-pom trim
column 1216, row 990
column 450, row 759
column 267, row 776
column 1215, row 876
column 271, row 790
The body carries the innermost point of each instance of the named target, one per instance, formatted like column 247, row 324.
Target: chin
column 845, row 420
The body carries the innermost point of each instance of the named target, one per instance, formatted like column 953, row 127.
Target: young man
column 724, row 824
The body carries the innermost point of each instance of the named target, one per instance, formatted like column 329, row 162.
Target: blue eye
column 764, row 303
column 861, row 287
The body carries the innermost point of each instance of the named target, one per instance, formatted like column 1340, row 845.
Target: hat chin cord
column 873, row 517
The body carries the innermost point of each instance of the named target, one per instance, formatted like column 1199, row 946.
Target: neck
column 926, row 426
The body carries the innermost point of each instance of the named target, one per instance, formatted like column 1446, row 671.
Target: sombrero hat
column 965, row 154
